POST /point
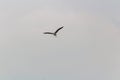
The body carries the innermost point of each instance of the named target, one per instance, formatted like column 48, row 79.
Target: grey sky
column 87, row 48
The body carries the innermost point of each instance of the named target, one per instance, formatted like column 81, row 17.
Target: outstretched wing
column 48, row 33
column 58, row 29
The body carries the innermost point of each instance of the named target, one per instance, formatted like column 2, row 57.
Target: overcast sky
column 87, row 48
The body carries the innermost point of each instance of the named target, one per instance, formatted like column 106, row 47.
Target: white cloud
column 87, row 46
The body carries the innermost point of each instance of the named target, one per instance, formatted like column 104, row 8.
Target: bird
column 55, row 33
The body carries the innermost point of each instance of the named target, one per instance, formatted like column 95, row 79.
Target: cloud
column 87, row 46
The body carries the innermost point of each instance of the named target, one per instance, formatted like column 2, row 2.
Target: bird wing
column 58, row 29
column 48, row 33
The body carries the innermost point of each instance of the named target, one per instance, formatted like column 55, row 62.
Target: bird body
column 55, row 33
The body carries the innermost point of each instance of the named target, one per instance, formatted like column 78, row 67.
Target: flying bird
column 55, row 33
